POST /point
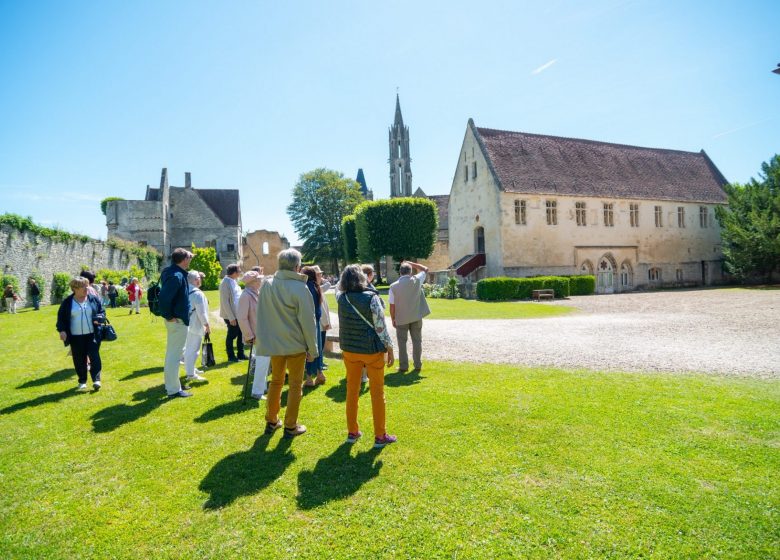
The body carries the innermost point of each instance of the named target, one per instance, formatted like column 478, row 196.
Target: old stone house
column 261, row 247
column 528, row 204
column 170, row 217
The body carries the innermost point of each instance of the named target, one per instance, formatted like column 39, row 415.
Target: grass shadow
column 226, row 409
column 43, row 399
column 142, row 372
column 111, row 418
column 338, row 393
column 337, row 476
column 56, row 377
column 398, row 379
column 246, row 472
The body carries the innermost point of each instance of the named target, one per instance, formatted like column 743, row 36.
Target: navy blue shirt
column 174, row 299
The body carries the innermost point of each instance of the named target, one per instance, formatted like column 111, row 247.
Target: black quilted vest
column 354, row 334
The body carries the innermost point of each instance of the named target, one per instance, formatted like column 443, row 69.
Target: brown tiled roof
column 535, row 163
column 224, row 203
column 443, row 204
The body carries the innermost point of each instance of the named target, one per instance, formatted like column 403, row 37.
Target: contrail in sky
column 544, row 67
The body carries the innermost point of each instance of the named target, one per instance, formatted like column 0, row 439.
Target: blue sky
column 97, row 97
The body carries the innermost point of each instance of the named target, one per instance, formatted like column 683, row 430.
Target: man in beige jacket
column 286, row 331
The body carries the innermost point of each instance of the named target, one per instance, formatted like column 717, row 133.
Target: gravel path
column 731, row 332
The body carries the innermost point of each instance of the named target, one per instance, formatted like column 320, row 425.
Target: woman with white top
column 199, row 326
column 77, row 320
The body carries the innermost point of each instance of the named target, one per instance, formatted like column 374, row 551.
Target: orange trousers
column 295, row 365
column 375, row 369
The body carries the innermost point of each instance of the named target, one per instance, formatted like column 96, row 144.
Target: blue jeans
column 315, row 365
column 36, row 302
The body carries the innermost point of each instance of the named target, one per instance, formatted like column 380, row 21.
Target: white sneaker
column 81, row 387
column 198, row 371
column 258, row 397
column 96, row 385
column 196, row 377
column 364, row 379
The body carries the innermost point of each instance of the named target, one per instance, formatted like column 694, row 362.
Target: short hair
column 134, row 279
column 193, row 275
column 232, row 269
column 367, row 269
column 89, row 275
column 78, row 282
column 353, row 279
column 405, row 269
column 289, row 259
column 179, row 255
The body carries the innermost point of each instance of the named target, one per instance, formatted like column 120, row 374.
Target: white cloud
column 545, row 66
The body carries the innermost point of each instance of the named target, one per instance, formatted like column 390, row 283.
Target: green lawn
column 491, row 462
column 473, row 309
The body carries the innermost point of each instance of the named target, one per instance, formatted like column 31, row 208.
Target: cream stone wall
column 475, row 202
column 254, row 254
column 440, row 258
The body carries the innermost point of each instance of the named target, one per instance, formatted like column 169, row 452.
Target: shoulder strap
column 366, row 321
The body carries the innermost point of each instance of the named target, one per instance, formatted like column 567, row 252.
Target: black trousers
column 234, row 333
column 83, row 346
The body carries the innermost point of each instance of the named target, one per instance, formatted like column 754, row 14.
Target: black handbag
column 207, row 352
column 106, row 331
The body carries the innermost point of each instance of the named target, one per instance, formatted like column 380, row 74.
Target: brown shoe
column 271, row 427
column 309, row 382
column 290, row 433
column 320, row 379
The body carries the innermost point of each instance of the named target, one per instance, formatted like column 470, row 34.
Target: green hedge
column 60, row 285
column 505, row 288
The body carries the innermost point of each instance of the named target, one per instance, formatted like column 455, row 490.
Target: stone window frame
column 679, row 274
column 633, row 212
column 580, row 210
column 466, row 174
column 626, row 275
column 231, row 247
column 654, row 274
column 552, row 212
column 520, row 212
column 474, row 170
column 681, row 216
column 703, row 217
column 265, row 248
column 609, row 214
column 659, row 216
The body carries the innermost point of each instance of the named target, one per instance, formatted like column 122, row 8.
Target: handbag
column 207, row 352
column 107, row 332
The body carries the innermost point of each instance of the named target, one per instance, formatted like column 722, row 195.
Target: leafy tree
column 105, row 201
column 205, row 261
column 321, row 199
column 404, row 228
column 350, row 238
column 751, row 224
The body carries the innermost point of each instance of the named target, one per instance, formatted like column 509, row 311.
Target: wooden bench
column 539, row 295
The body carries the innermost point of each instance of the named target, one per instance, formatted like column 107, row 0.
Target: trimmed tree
column 205, row 261
column 750, row 225
column 350, row 238
column 403, row 228
column 321, row 200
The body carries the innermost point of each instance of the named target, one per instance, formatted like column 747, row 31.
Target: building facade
column 525, row 204
column 261, row 247
column 400, row 160
column 170, row 217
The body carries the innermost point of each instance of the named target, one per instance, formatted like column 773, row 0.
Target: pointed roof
column 399, row 120
column 361, row 179
column 541, row 164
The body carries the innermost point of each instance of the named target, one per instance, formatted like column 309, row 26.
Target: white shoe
column 258, row 397
column 364, row 379
column 96, row 385
column 196, row 377
column 198, row 371
column 81, row 387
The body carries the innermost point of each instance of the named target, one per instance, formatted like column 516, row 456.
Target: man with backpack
column 173, row 304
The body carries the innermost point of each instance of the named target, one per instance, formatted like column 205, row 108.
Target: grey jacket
column 285, row 317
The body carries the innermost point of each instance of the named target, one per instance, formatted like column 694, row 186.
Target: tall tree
column 751, row 224
column 321, row 200
column 205, row 261
column 403, row 228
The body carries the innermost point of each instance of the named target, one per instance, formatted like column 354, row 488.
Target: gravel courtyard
column 733, row 332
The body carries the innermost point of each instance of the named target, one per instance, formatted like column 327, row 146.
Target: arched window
column 586, row 268
column 626, row 276
column 654, row 274
column 479, row 240
column 605, row 275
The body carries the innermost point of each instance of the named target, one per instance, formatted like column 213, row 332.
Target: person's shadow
column 338, row 393
column 337, row 476
column 111, row 418
column 398, row 379
column 246, row 472
column 55, row 377
column 43, row 399
column 236, row 406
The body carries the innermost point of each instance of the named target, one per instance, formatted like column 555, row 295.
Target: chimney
column 187, row 180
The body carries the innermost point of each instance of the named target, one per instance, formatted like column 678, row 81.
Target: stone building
column 170, row 217
column 528, row 204
column 400, row 159
column 261, row 247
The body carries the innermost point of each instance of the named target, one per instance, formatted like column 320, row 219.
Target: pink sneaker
column 386, row 439
column 353, row 437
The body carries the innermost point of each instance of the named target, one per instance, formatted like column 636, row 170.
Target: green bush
column 205, row 261
column 497, row 289
column 12, row 280
column 349, row 237
column 452, row 288
column 122, row 297
column 404, row 228
column 434, row 291
column 60, row 285
column 504, row 288
column 582, row 285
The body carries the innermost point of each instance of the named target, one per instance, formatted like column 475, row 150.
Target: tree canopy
column 750, row 225
column 205, row 261
column 321, row 200
column 350, row 238
column 403, row 228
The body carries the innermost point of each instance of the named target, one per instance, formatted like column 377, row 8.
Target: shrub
column 122, row 297
column 109, row 275
column 349, row 237
column 10, row 279
column 205, row 261
column 452, row 288
column 36, row 275
column 434, row 291
column 503, row 288
column 60, row 285
column 497, row 289
column 582, row 285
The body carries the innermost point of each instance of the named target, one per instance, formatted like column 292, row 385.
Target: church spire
column 399, row 160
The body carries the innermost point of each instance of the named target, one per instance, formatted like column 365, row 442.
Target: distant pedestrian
column 286, row 331
column 365, row 343
column 134, row 294
column 89, row 275
column 11, row 297
column 229, row 292
column 77, row 318
column 407, row 309
column 174, row 306
column 104, row 293
column 112, row 294
column 198, row 327
column 35, row 294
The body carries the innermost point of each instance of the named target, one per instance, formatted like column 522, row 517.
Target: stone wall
column 256, row 252
column 22, row 253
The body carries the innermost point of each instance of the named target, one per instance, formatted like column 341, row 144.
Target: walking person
column 314, row 368
column 112, row 294
column 286, row 331
column 11, row 297
column 104, row 293
column 407, row 309
column 90, row 276
column 365, row 343
column 134, row 293
column 174, row 307
column 77, row 318
column 35, row 294
column 198, row 327
column 247, row 317
column 229, row 292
